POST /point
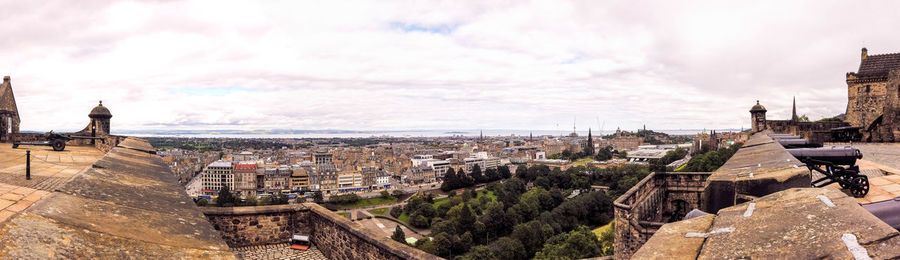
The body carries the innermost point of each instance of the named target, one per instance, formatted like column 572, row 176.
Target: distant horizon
column 345, row 133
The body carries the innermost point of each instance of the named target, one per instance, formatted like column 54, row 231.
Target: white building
column 216, row 175
column 382, row 179
column 483, row 163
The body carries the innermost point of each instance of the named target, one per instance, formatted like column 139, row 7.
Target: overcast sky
column 389, row 65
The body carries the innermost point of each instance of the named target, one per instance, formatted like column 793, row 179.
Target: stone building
column 9, row 113
column 873, row 97
column 817, row 132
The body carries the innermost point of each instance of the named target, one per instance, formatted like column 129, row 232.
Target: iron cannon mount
column 55, row 140
column 838, row 164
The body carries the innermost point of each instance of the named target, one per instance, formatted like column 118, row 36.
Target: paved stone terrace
column 277, row 251
column 124, row 204
column 49, row 171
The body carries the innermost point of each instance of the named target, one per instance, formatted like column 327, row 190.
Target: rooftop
column 84, row 204
column 878, row 66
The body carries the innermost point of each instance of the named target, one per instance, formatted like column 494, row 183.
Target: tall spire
column 794, row 116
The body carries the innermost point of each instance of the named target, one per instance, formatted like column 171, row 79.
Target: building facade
column 216, row 175
column 873, row 97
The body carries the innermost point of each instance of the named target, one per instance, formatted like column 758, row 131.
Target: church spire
column 794, row 116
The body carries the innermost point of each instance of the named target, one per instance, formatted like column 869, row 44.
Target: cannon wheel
column 859, row 186
column 58, row 144
column 845, row 181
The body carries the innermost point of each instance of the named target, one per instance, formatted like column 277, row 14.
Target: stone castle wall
column 249, row 226
column 645, row 207
column 333, row 235
column 865, row 102
column 886, row 128
column 816, row 132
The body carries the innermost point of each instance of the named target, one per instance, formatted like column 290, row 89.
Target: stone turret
column 99, row 120
column 9, row 113
column 758, row 117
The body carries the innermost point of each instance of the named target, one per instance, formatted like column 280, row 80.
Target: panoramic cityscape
column 450, row 130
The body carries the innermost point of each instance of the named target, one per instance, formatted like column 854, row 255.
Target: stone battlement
column 654, row 201
column 333, row 235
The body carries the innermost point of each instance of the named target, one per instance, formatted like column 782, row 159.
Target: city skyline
column 424, row 66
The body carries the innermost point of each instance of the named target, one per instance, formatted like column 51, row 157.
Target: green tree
column 318, row 197
column 507, row 248
column 451, row 181
column 577, row 244
column 225, row 198
column 251, row 200
column 503, row 172
column 396, row 212
column 476, row 174
column 397, row 193
column 418, row 221
column 202, row 202
column 479, row 252
column 607, row 240
column 398, row 235
column 385, row 194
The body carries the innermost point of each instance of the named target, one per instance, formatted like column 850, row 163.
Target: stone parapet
column 333, row 235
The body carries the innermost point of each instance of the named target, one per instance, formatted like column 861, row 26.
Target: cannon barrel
column 780, row 135
column 834, row 155
column 797, row 143
column 787, row 137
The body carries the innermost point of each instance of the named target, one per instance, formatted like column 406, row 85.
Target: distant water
column 366, row 134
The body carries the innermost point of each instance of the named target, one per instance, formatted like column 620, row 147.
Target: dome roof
column 758, row 108
column 100, row 111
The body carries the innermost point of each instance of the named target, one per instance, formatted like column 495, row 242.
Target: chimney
column 865, row 53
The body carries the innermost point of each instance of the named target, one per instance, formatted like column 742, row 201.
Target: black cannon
column 838, row 164
column 846, row 134
column 797, row 143
column 55, row 140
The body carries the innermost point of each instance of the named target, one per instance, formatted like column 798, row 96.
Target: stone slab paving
column 277, row 251
column 49, row 171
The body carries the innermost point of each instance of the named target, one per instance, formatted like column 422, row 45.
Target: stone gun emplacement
column 55, row 140
column 838, row 164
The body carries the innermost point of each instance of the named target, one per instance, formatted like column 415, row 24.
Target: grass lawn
column 367, row 202
column 379, row 211
column 602, row 229
column 404, row 218
column 583, row 161
column 344, row 214
column 681, row 168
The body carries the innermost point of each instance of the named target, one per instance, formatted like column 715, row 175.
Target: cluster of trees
column 509, row 221
column 517, row 224
column 227, row 199
column 712, row 160
column 671, row 156
column 344, row 198
column 602, row 154
column 456, row 180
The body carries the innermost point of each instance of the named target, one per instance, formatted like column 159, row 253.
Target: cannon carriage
column 55, row 140
column 838, row 165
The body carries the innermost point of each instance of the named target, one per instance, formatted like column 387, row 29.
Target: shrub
column 396, row 212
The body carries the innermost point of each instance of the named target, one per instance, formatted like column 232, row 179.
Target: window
column 868, row 89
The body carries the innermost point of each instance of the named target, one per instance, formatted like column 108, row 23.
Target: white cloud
column 427, row 65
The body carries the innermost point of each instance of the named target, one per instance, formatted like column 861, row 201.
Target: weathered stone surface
column 333, row 235
column 796, row 224
column 127, row 206
column 670, row 241
column 773, row 169
column 651, row 203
